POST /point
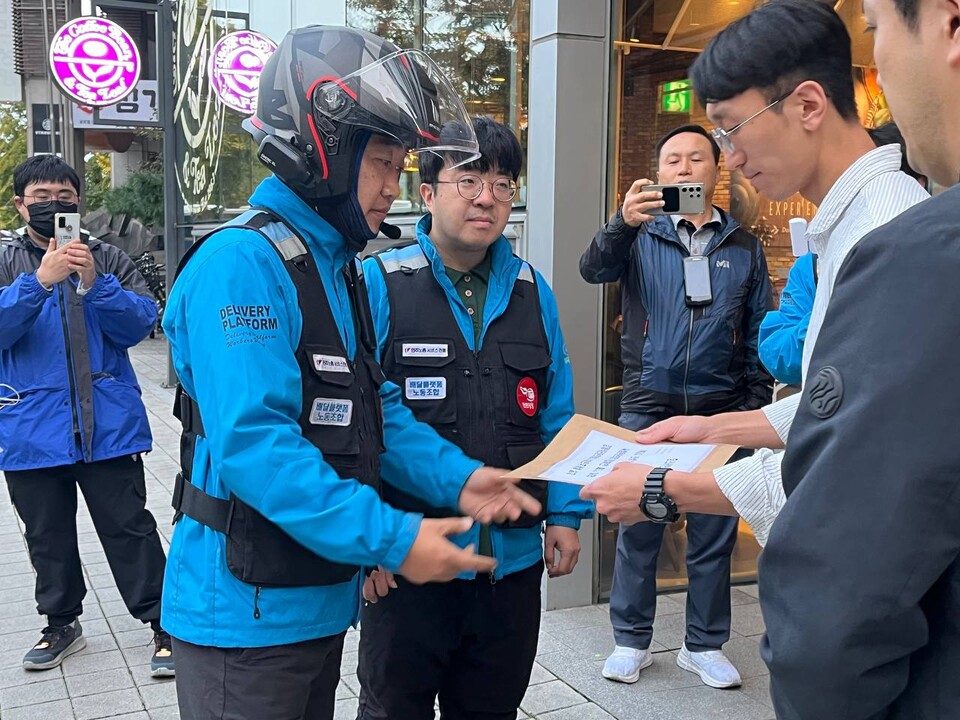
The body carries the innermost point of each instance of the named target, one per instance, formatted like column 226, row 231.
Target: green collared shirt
column 471, row 286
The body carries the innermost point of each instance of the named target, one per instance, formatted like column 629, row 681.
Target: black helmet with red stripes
column 327, row 88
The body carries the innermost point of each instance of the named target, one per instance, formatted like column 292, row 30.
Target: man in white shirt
column 790, row 127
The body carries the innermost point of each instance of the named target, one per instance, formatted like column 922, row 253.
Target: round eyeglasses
column 471, row 187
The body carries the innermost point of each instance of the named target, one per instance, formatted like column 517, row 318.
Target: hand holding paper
column 587, row 449
column 617, row 494
column 679, row 429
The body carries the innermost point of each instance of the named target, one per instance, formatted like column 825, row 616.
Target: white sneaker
column 712, row 666
column 624, row 664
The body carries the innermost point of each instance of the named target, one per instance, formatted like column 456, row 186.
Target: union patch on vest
column 331, row 411
column 432, row 350
column 426, row 388
column 330, row 363
column 527, row 396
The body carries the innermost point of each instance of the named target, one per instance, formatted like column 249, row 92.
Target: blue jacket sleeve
column 417, row 460
column 564, row 506
column 759, row 303
column 125, row 307
column 20, row 305
column 125, row 317
column 783, row 331
column 252, row 383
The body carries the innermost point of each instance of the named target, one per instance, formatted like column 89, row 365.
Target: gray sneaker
column 161, row 664
column 56, row 643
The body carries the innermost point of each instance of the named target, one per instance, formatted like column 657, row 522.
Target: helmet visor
column 406, row 96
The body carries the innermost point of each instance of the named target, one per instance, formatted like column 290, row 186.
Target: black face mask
column 42, row 216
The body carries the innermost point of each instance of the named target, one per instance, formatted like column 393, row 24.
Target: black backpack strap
column 816, row 273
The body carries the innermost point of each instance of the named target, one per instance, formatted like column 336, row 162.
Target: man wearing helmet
column 286, row 414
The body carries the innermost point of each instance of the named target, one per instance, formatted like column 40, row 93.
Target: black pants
column 116, row 495
column 470, row 642
column 282, row 682
column 633, row 597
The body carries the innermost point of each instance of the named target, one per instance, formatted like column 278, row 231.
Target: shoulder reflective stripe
column 244, row 218
column 290, row 247
column 526, row 273
column 415, row 262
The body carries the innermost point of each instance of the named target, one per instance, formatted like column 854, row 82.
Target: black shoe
column 55, row 644
column 161, row 664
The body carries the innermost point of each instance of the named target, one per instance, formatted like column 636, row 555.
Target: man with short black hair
column 860, row 581
column 681, row 357
column 68, row 315
column 487, row 367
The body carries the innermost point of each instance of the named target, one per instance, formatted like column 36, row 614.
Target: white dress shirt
column 870, row 193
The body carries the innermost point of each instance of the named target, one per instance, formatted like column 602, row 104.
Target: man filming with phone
column 70, row 307
column 694, row 289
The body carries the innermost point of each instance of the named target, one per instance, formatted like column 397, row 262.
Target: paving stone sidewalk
column 111, row 678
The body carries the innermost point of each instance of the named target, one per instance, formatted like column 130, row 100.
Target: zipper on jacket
column 70, row 377
column 256, row 601
column 686, row 369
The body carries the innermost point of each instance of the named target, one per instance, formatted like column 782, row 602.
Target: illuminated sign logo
column 235, row 66
column 676, row 97
column 94, row 61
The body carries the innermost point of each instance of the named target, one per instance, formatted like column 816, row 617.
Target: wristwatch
column 655, row 503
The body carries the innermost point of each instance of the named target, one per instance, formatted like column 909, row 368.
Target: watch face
column 656, row 510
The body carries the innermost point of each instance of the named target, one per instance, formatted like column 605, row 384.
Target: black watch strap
column 655, row 480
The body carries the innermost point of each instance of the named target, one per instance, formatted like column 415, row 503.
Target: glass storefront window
column 658, row 42
column 482, row 47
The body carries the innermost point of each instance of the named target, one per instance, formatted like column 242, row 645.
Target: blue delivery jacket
column 783, row 332
column 247, row 383
column 65, row 356
column 514, row 549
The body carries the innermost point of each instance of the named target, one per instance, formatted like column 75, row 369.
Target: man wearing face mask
column 67, row 317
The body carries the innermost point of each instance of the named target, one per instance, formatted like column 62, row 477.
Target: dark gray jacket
column 860, row 580
column 680, row 360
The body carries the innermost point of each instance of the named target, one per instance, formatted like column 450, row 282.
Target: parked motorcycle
column 155, row 275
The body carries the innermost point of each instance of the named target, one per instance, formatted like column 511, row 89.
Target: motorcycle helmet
column 327, row 88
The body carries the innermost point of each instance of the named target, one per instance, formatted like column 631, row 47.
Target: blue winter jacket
column 66, row 357
column 514, row 549
column 783, row 331
column 681, row 360
column 248, row 386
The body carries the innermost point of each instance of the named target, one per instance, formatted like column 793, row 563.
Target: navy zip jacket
column 681, row 360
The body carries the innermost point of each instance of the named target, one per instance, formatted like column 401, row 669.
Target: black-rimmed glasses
column 64, row 196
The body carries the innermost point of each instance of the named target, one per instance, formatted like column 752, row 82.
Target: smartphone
column 696, row 280
column 66, row 228
column 679, row 199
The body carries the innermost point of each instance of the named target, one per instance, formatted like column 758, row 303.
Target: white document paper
column 599, row 452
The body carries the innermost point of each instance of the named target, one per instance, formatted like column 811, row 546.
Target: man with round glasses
column 470, row 333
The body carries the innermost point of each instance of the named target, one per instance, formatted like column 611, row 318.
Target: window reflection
column 482, row 47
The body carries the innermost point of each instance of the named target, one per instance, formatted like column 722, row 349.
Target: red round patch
column 527, row 396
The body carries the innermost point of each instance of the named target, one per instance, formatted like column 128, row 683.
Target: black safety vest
column 487, row 402
column 342, row 416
